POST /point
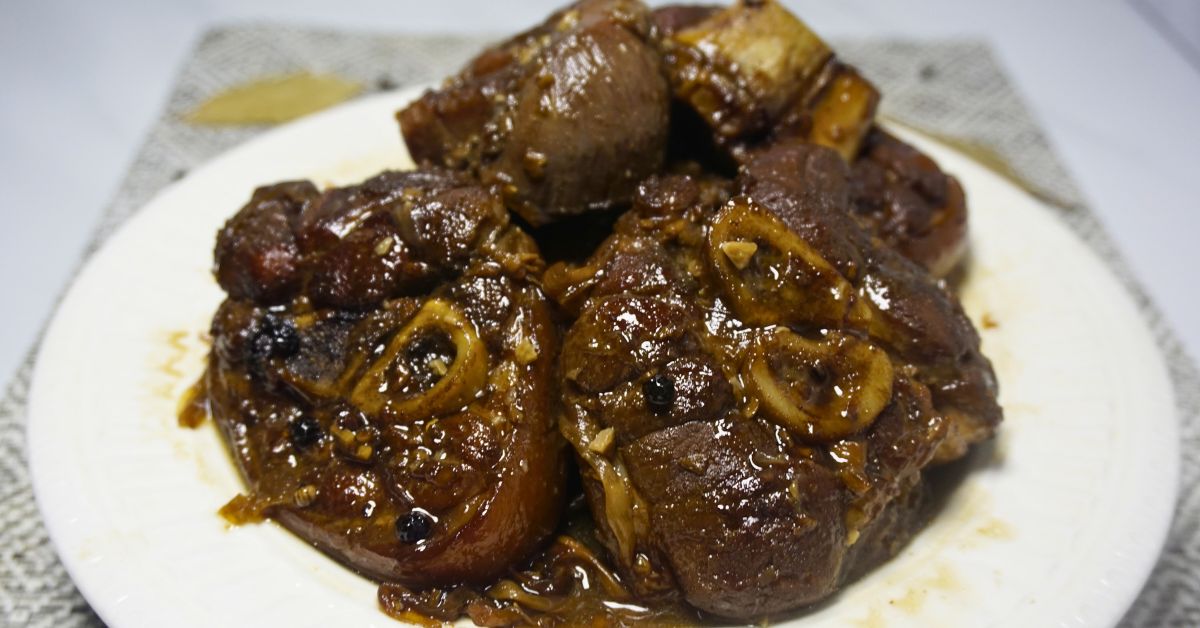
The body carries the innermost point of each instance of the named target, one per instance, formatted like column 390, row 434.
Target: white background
column 1116, row 84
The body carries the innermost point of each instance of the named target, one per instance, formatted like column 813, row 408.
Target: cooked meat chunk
column 257, row 254
column 901, row 196
column 754, row 386
column 382, row 373
column 562, row 119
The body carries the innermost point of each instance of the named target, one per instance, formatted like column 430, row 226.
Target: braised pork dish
column 717, row 396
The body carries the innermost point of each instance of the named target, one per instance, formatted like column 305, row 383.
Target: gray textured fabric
column 953, row 87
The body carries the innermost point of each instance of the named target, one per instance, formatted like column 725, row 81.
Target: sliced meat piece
column 388, row 393
column 754, row 387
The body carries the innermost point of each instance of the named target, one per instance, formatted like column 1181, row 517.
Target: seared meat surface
column 753, row 387
column 563, row 119
column 382, row 372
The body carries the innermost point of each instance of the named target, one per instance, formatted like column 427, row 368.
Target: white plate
column 1058, row 525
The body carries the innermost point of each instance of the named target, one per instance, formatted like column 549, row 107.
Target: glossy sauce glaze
column 382, row 374
column 754, row 387
column 754, row 370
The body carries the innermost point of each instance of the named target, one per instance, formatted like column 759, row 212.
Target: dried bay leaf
column 274, row 100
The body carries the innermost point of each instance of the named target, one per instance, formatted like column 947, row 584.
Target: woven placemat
column 954, row 88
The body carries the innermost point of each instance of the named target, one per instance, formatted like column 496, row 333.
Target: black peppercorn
column 274, row 338
column 305, row 431
column 413, row 527
column 659, row 392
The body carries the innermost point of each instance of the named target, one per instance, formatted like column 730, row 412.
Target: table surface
column 1116, row 85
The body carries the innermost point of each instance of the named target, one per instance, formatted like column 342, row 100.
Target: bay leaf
column 274, row 100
